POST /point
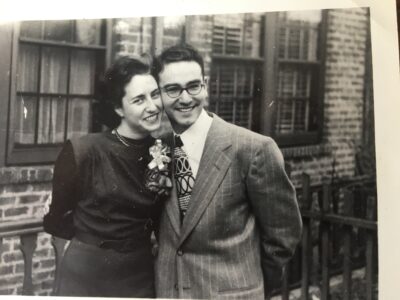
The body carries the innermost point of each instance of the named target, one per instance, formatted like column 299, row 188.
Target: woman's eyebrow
column 137, row 96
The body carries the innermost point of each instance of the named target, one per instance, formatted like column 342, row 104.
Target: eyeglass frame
column 202, row 85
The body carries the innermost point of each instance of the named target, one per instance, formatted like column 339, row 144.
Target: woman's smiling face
column 141, row 106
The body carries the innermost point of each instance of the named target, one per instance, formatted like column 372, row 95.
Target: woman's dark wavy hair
column 112, row 88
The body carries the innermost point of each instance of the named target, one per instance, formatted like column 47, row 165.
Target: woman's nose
column 151, row 105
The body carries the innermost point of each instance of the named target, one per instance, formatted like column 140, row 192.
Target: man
column 232, row 221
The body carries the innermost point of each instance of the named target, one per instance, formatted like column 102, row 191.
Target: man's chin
column 180, row 125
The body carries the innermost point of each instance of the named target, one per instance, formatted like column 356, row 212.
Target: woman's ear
column 119, row 112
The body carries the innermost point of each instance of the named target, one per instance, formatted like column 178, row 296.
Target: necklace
column 124, row 140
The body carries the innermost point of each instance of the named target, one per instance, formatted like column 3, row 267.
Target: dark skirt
column 87, row 270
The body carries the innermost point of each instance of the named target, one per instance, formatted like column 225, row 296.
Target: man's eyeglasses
column 176, row 90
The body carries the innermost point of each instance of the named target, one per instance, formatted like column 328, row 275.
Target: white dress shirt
column 194, row 139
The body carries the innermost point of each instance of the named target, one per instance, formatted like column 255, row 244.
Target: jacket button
column 176, row 286
column 179, row 252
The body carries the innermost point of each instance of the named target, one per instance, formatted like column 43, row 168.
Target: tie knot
column 178, row 141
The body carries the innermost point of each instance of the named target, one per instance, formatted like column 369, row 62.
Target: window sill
column 25, row 175
column 306, row 151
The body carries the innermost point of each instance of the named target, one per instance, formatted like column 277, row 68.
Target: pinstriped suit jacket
column 242, row 224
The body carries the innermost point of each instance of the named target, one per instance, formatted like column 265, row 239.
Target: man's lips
column 186, row 108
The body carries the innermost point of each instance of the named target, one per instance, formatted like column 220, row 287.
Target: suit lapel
column 213, row 167
column 171, row 205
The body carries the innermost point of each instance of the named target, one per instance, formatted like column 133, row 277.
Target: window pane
column 174, row 27
column 236, row 34
column 27, row 71
column 232, row 92
column 31, row 29
column 294, row 95
column 292, row 116
column 51, row 120
column 25, row 120
column 59, row 30
column 78, row 117
column 298, row 35
column 54, row 70
column 87, row 32
column 227, row 34
column 82, row 72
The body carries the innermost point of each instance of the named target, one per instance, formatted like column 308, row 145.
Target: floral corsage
column 158, row 172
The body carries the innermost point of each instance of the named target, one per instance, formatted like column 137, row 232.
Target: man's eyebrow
column 194, row 81
column 175, row 84
column 171, row 85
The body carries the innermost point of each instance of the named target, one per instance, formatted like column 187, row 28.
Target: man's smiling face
column 183, row 110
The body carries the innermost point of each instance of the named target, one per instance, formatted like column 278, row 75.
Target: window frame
column 241, row 59
column 270, row 91
column 35, row 154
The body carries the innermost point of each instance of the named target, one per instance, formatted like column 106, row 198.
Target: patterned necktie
column 183, row 177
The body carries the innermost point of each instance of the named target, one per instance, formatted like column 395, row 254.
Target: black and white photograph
column 199, row 155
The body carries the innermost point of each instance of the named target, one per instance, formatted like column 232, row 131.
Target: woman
column 100, row 200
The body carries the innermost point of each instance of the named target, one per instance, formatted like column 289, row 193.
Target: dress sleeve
column 58, row 221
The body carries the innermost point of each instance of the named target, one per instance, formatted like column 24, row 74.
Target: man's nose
column 185, row 97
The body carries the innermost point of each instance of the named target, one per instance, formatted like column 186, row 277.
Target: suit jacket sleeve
column 274, row 203
column 59, row 221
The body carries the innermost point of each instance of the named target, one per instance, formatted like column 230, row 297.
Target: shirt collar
column 197, row 132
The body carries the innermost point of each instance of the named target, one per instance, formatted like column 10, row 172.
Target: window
column 289, row 48
column 55, row 71
column 235, row 73
column 298, row 57
column 173, row 30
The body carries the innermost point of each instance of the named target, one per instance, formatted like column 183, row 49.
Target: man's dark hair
column 177, row 53
column 112, row 88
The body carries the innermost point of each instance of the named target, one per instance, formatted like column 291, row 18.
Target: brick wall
column 23, row 193
column 343, row 99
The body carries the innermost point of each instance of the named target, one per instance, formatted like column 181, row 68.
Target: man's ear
column 206, row 81
column 119, row 112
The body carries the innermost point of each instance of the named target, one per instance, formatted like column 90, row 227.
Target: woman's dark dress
column 100, row 202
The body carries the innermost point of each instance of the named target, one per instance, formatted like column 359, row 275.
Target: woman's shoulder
column 88, row 143
column 90, row 139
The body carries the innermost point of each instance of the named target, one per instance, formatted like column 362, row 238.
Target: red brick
column 17, row 188
column 12, row 212
column 11, row 280
column 44, row 175
column 47, row 284
column 8, row 176
column 7, row 200
column 6, row 270
column 7, row 291
column 42, row 253
column 40, row 276
column 47, row 263
column 11, row 257
column 29, row 199
column 19, row 268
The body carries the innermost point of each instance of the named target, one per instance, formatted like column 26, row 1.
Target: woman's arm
column 58, row 221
